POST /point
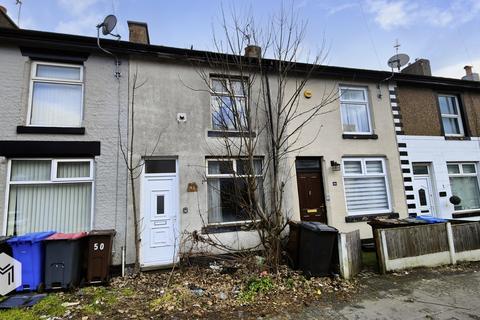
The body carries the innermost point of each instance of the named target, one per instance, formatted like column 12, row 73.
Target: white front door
column 422, row 186
column 159, row 232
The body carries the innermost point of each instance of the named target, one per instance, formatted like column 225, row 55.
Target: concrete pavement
column 441, row 293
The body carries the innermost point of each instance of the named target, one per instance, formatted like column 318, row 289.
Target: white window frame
column 55, row 167
column 34, row 78
column 462, row 174
column 457, row 116
column 53, row 173
column 231, row 176
column 364, row 173
column 365, row 102
column 230, row 94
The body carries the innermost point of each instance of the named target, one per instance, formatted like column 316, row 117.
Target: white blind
column 30, row 170
column 366, row 194
column 56, row 104
column 40, row 206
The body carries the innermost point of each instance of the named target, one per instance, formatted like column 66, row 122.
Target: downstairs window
column 50, row 194
column 228, row 192
column 464, row 184
column 366, row 186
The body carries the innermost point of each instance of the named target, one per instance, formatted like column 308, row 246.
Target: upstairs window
column 451, row 116
column 228, row 103
column 355, row 110
column 56, row 95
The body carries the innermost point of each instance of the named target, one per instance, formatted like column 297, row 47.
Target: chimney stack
column 252, row 51
column 470, row 75
column 138, row 32
column 5, row 21
column 419, row 67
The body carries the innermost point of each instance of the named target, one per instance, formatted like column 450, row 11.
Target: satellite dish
column 398, row 60
column 108, row 24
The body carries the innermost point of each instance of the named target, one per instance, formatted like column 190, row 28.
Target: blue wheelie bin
column 29, row 250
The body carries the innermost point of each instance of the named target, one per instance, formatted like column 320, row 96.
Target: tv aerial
column 108, row 25
column 399, row 59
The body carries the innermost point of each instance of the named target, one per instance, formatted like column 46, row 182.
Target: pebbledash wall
column 102, row 99
column 421, row 139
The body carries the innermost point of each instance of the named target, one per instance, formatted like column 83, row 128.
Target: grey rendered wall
column 101, row 105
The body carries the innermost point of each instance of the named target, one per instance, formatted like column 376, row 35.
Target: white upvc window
column 49, row 194
column 229, row 97
column 227, row 189
column 355, row 110
column 56, row 95
column 464, row 184
column 451, row 115
column 366, row 186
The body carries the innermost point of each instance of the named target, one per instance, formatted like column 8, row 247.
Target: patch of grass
column 127, row 292
column 50, row 306
column 177, row 298
column 254, row 287
column 100, row 299
column 165, row 299
column 18, row 314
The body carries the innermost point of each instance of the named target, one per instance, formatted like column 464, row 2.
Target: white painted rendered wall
column 438, row 151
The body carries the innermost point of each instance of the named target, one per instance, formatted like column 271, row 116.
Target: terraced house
column 62, row 114
column 386, row 146
column 437, row 129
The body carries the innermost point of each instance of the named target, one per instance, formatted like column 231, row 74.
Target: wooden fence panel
column 350, row 254
column 416, row 241
column 466, row 236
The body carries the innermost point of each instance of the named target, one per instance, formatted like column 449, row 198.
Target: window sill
column 50, row 130
column 223, row 228
column 456, row 138
column 466, row 214
column 368, row 217
column 360, row 136
column 229, row 134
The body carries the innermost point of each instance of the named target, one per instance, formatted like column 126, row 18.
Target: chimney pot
column 138, row 32
column 252, row 51
column 468, row 70
column 470, row 75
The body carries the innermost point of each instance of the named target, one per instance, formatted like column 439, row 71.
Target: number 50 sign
column 98, row 246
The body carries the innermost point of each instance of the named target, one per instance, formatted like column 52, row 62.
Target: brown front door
column 310, row 192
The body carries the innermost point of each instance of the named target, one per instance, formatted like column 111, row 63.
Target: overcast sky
column 358, row 33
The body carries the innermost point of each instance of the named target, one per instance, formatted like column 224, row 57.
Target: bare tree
column 135, row 164
column 258, row 114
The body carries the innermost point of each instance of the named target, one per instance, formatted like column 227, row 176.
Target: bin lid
column 102, row 232
column 431, row 219
column 31, row 237
column 66, row 236
column 318, row 227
